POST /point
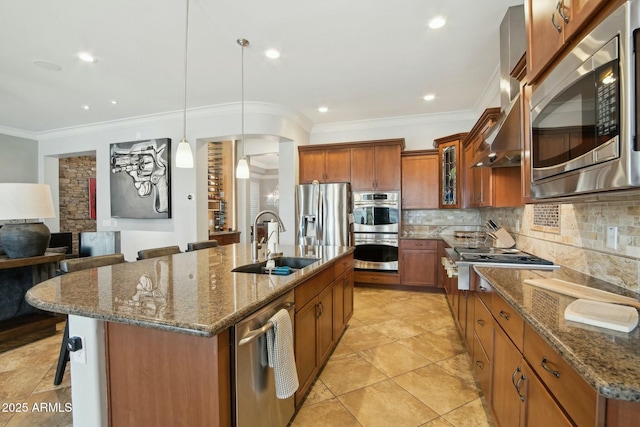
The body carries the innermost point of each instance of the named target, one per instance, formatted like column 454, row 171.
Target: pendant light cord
column 186, row 48
column 243, row 43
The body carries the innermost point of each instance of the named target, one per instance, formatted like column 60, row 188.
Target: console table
column 19, row 322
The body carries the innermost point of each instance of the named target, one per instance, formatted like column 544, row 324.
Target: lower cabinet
column 418, row 262
column 506, row 397
column 324, row 305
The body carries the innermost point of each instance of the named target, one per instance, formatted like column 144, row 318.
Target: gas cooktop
column 507, row 258
column 466, row 250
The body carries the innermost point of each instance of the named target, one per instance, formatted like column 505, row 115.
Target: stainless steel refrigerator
column 323, row 214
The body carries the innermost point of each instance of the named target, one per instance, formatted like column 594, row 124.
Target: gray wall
column 19, row 160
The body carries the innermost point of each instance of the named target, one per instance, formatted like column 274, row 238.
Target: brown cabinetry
column 507, row 379
column 551, row 25
column 323, row 308
column 420, row 179
column 324, row 164
column 450, row 170
column 376, row 167
column 418, row 262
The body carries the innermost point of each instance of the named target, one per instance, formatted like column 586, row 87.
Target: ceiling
column 363, row 59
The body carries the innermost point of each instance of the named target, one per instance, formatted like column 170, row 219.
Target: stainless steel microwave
column 584, row 115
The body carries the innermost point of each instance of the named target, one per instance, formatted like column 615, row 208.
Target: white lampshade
column 25, row 201
column 242, row 170
column 184, row 157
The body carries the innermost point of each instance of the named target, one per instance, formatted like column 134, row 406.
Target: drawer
column 377, row 278
column 483, row 326
column 484, row 291
column 342, row 265
column 507, row 317
column 481, row 367
column 418, row 244
column 310, row 288
column 577, row 397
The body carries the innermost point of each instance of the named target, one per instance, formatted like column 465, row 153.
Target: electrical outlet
column 612, row 237
column 80, row 356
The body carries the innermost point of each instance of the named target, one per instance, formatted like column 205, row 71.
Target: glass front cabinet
column 450, row 170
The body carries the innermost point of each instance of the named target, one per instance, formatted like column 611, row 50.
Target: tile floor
column 401, row 362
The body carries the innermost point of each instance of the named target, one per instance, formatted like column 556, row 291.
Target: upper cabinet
column 420, row 179
column 376, row 166
column 551, row 24
column 324, row 164
column 368, row 165
column 450, row 170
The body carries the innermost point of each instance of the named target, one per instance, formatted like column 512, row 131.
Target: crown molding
column 18, row 133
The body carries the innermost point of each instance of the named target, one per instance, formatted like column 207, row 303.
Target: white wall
column 17, row 160
column 188, row 222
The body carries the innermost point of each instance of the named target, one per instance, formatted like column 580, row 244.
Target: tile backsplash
column 578, row 243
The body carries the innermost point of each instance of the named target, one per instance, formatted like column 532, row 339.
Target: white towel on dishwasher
column 281, row 356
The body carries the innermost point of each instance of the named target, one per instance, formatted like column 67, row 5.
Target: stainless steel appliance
column 376, row 251
column 323, row 214
column 375, row 212
column 375, row 226
column 461, row 259
column 584, row 115
column 256, row 403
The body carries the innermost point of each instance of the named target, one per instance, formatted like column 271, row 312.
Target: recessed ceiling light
column 86, row 57
column 323, row 109
column 437, row 22
column 272, row 53
column 86, row 107
column 114, row 102
column 46, row 65
column 429, row 97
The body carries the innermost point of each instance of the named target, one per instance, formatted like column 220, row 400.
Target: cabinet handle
column 479, row 364
column 481, row 322
column 553, row 21
column 553, row 372
column 518, row 388
column 513, row 376
column 482, row 288
column 319, row 309
column 562, row 15
column 504, row 315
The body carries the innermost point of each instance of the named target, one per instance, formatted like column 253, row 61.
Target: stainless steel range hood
column 505, row 138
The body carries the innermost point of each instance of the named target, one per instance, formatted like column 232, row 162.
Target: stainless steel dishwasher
column 256, row 403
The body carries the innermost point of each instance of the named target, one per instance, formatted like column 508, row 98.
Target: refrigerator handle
column 320, row 221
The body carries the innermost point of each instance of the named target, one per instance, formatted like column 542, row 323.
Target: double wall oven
column 375, row 230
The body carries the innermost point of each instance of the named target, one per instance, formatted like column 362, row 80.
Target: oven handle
column 369, row 242
column 376, row 204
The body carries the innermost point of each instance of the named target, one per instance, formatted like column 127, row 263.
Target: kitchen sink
column 294, row 263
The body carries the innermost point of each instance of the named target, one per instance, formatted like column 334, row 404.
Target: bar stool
column 156, row 252
column 68, row 266
column 203, row 244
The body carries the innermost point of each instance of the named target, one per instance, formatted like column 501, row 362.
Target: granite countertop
column 193, row 292
column 608, row 360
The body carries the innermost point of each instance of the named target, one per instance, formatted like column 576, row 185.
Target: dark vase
column 24, row 239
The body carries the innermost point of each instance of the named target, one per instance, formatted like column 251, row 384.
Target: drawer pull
column 553, row 21
column 479, row 364
column 480, row 322
column 561, row 13
column 504, row 315
column 543, row 363
column 518, row 387
column 513, row 376
column 482, row 288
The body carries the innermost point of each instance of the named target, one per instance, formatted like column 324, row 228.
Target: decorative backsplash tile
column 546, row 217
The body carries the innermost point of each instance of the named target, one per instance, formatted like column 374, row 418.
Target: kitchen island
column 592, row 373
column 155, row 332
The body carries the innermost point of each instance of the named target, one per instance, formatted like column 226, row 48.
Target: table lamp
column 25, row 202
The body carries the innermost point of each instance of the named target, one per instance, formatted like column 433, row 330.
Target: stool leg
column 64, row 356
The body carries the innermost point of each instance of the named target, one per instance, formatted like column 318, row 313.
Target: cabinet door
column 312, row 166
column 507, row 377
column 449, row 175
column 541, row 410
column 420, row 181
column 386, row 167
column 338, row 306
column 305, row 347
column 469, row 186
column 418, row 267
column 324, row 323
column 348, row 295
column 362, row 169
column 579, row 12
column 544, row 39
column 338, row 165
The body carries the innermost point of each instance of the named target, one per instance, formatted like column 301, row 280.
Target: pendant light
column 184, row 156
column 242, row 170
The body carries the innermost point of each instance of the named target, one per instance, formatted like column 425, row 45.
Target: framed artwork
column 92, row 198
column 140, row 179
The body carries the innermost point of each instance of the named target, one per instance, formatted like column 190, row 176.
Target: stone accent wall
column 74, row 174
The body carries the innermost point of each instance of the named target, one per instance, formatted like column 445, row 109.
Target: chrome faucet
column 255, row 245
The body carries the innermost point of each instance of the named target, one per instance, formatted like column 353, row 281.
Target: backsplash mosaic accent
column 546, row 217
